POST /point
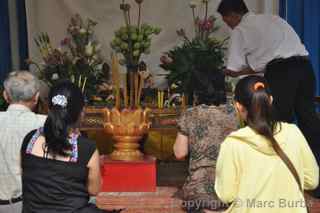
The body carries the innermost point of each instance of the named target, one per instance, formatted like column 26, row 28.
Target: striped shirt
column 16, row 122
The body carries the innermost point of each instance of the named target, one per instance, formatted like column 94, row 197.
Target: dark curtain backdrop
column 5, row 50
column 23, row 33
column 5, row 45
column 304, row 16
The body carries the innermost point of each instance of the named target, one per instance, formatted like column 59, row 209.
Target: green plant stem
column 194, row 21
column 79, row 82
column 84, row 84
column 139, row 17
column 129, row 18
column 206, row 16
column 87, row 34
column 126, row 18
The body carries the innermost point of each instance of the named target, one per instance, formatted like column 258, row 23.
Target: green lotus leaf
column 140, row 38
column 137, row 45
column 134, row 36
column 124, row 46
column 124, row 37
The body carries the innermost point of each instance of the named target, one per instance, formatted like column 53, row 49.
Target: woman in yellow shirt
column 250, row 174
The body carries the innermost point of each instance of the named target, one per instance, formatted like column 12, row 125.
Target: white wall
column 52, row 16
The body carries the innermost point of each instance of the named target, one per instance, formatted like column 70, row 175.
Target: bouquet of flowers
column 195, row 67
column 77, row 58
column 131, row 41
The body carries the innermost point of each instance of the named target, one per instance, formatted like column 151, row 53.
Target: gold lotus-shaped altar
column 127, row 128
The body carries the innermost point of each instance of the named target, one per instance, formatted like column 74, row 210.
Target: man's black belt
column 290, row 59
column 13, row 200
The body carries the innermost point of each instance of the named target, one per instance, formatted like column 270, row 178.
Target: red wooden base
column 121, row 176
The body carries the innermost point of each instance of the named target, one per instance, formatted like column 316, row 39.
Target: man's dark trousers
column 293, row 85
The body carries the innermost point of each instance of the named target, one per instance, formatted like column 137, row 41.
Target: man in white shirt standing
column 22, row 93
column 268, row 45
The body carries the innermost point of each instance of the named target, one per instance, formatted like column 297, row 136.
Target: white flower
column 89, row 49
column 55, row 76
column 82, row 31
column 174, row 86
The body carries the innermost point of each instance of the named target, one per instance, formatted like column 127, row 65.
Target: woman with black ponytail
column 265, row 166
column 60, row 167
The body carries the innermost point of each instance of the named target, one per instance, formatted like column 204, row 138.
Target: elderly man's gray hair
column 21, row 86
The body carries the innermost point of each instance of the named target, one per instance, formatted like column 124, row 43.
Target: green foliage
column 133, row 41
column 195, row 68
column 3, row 103
column 192, row 66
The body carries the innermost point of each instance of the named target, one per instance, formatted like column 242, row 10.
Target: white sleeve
column 236, row 59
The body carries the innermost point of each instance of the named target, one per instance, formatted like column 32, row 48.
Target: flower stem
column 84, row 84
column 206, row 17
column 139, row 17
column 129, row 18
column 203, row 33
column 194, row 21
column 79, row 82
column 125, row 18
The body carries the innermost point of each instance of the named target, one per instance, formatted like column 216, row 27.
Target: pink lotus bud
column 65, row 41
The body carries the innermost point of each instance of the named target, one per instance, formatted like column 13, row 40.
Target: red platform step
column 160, row 201
column 122, row 176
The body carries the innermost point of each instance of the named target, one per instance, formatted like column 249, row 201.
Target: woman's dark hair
column 254, row 94
column 236, row 6
column 62, row 116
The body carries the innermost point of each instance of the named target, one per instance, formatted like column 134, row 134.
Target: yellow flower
column 89, row 49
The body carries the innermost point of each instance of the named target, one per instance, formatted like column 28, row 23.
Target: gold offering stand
column 98, row 122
